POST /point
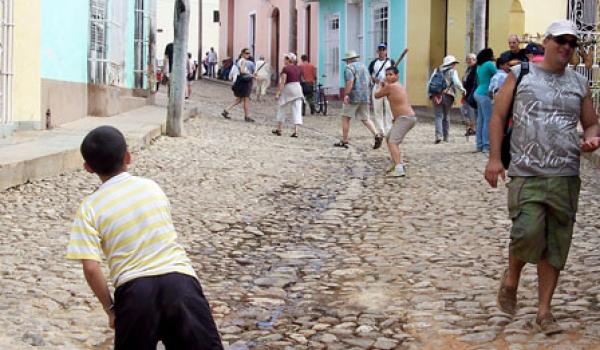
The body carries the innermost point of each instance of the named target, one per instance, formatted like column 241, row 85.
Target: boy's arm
column 97, row 282
column 382, row 92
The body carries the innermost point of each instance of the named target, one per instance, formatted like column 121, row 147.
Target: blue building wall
column 398, row 30
column 130, row 45
column 64, row 40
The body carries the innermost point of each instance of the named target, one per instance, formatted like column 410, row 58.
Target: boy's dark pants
column 170, row 308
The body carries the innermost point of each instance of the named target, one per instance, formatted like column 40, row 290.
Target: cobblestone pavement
column 303, row 246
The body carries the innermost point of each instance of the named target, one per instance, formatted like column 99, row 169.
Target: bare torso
column 398, row 98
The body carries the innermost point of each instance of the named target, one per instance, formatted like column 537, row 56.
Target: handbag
column 505, row 155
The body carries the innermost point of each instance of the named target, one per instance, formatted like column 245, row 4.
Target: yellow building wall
column 419, row 30
column 499, row 25
column 27, row 93
column 536, row 20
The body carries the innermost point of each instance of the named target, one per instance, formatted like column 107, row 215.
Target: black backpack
column 508, row 126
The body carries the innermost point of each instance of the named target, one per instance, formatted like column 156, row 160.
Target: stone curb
column 56, row 151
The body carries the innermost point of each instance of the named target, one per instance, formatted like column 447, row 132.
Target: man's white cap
column 448, row 60
column 561, row 27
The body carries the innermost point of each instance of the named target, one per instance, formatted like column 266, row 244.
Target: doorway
column 332, row 55
column 438, row 43
column 275, row 40
column 252, row 34
column 354, row 27
column 307, row 32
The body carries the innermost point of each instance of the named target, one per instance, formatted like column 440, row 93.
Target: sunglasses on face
column 561, row 40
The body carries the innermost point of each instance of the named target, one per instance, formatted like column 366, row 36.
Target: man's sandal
column 548, row 325
column 341, row 144
column 276, row 132
column 507, row 297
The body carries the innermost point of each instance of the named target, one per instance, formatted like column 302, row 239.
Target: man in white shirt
column 381, row 107
column 212, row 63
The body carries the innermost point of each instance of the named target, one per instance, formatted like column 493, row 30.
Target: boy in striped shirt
column 128, row 220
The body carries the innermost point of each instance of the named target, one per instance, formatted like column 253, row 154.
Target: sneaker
column 548, row 325
column 437, row 141
column 248, row 120
column 378, row 141
column 395, row 173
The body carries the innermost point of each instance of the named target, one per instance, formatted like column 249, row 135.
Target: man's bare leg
column 369, row 124
column 394, row 153
column 514, row 272
column 547, row 280
column 345, row 128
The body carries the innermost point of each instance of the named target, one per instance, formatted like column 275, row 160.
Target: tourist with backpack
column 442, row 90
column 486, row 69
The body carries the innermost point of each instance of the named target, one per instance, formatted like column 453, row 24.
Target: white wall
column 210, row 30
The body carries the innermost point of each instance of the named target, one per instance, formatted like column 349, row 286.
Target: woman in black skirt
column 242, row 87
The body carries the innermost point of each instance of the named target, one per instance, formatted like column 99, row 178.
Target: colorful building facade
column 269, row 28
column 56, row 70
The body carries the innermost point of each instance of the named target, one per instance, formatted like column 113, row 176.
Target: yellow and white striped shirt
column 129, row 219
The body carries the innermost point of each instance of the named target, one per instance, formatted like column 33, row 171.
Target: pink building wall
column 265, row 28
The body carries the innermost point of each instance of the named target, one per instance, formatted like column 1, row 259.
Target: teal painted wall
column 398, row 30
column 64, row 40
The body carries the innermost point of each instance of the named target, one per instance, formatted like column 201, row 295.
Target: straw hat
column 350, row 55
column 449, row 60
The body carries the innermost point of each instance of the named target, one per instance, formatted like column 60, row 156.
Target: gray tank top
column 547, row 108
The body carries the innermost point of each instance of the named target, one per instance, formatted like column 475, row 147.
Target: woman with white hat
column 290, row 94
column 444, row 99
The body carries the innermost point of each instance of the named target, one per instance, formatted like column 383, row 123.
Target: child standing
column 128, row 219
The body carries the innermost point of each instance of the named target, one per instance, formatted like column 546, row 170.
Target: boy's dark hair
column 103, row 149
column 304, row 58
column 393, row 70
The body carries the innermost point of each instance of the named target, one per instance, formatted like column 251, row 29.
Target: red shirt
column 292, row 73
column 309, row 72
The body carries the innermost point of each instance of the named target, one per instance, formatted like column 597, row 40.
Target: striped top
column 129, row 220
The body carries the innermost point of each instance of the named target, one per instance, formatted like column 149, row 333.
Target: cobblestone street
column 300, row 245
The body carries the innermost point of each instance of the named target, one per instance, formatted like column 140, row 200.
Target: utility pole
column 181, row 21
column 200, row 51
column 479, row 20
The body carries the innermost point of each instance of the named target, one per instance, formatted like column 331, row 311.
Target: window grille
column 6, row 63
column 106, row 57
column 97, row 59
column 380, row 26
column 141, row 45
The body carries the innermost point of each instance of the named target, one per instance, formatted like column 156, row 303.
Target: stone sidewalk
column 34, row 155
column 300, row 245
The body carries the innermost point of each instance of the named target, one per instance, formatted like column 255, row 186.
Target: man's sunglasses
column 561, row 40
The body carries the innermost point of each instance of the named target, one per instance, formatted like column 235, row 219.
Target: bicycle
column 320, row 99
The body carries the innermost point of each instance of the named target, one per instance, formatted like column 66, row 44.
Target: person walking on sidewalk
column 128, row 220
column 545, row 149
column 469, row 83
column 262, row 78
column 212, row 63
column 486, row 69
column 356, row 99
column 381, row 107
column 403, row 121
column 289, row 94
column 442, row 91
column 309, row 79
column 242, row 87
column 190, row 68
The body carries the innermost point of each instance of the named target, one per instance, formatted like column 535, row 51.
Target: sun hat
column 561, row 27
column 350, row 55
column 449, row 60
column 291, row 56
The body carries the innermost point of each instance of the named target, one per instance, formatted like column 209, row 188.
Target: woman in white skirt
column 289, row 94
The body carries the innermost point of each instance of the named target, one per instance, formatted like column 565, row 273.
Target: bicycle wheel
column 323, row 104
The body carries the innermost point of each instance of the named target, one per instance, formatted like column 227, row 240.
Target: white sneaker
column 396, row 172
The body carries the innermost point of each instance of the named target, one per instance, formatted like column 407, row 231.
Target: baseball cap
column 534, row 49
column 382, row 45
column 561, row 27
